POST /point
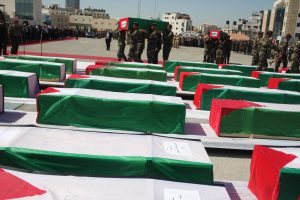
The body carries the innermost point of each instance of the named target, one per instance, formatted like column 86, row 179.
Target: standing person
column 154, row 44
column 295, row 58
column 121, row 45
column 265, row 46
column 228, row 47
column 255, row 50
column 108, row 38
column 15, row 35
column 168, row 38
column 133, row 38
column 220, row 50
column 3, row 35
column 207, row 47
column 140, row 46
column 282, row 54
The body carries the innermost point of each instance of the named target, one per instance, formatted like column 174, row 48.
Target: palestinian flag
column 70, row 63
column 245, row 69
column 19, row 84
column 121, row 85
column 45, row 71
column 275, row 173
column 181, row 69
column 135, row 65
column 16, row 184
column 111, row 110
column 284, row 84
column 205, row 93
column 96, row 154
column 131, row 73
column 144, row 24
column 264, row 77
column 171, row 65
column 189, row 82
column 237, row 118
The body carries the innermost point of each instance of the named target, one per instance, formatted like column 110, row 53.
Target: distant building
column 204, row 28
column 81, row 19
column 266, row 21
column 180, row 22
column 285, row 18
column 73, row 4
column 25, row 10
column 247, row 27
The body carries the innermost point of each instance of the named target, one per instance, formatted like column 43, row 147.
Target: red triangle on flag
column 12, row 187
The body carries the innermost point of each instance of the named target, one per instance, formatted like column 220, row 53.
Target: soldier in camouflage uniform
column 220, row 50
column 133, row 38
column 282, row 55
column 255, row 50
column 15, row 35
column 122, row 45
column 168, row 38
column 140, row 46
column 295, row 58
column 154, row 44
column 227, row 49
column 265, row 46
column 207, row 47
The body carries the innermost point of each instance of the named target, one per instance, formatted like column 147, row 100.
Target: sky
column 202, row 11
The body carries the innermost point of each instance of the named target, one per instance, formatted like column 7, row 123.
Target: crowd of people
column 281, row 52
column 136, row 38
column 16, row 33
column 217, row 50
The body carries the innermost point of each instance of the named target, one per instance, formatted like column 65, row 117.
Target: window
column 299, row 15
column 298, row 24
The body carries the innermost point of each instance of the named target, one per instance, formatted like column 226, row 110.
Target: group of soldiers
column 217, row 50
column 16, row 33
column 282, row 51
column 136, row 39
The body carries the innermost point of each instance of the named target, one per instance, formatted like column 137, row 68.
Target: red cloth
column 265, row 172
column 13, row 187
column 91, row 68
column 183, row 75
column 176, row 72
column 256, row 74
column 104, row 62
column 199, row 92
column 223, row 107
column 47, row 91
column 77, row 76
column 283, row 70
column 222, row 65
column 274, row 82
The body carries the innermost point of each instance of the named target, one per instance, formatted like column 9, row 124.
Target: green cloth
column 191, row 82
column 15, row 86
column 172, row 64
column 243, row 94
column 289, row 184
column 246, row 70
column 155, row 75
column 126, row 86
column 207, row 71
column 261, row 121
column 69, row 63
column 44, row 71
column 149, row 116
column 106, row 166
column 265, row 77
column 290, row 85
column 136, row 65
column 144, row 24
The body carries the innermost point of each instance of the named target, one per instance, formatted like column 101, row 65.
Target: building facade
column 180, row 22
column 25, row 10
column 204, row 28
column 285, row 18
column 73, row 4
column 266, row 21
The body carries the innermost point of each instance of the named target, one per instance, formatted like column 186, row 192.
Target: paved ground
column 96, row 47
column 228, row 165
